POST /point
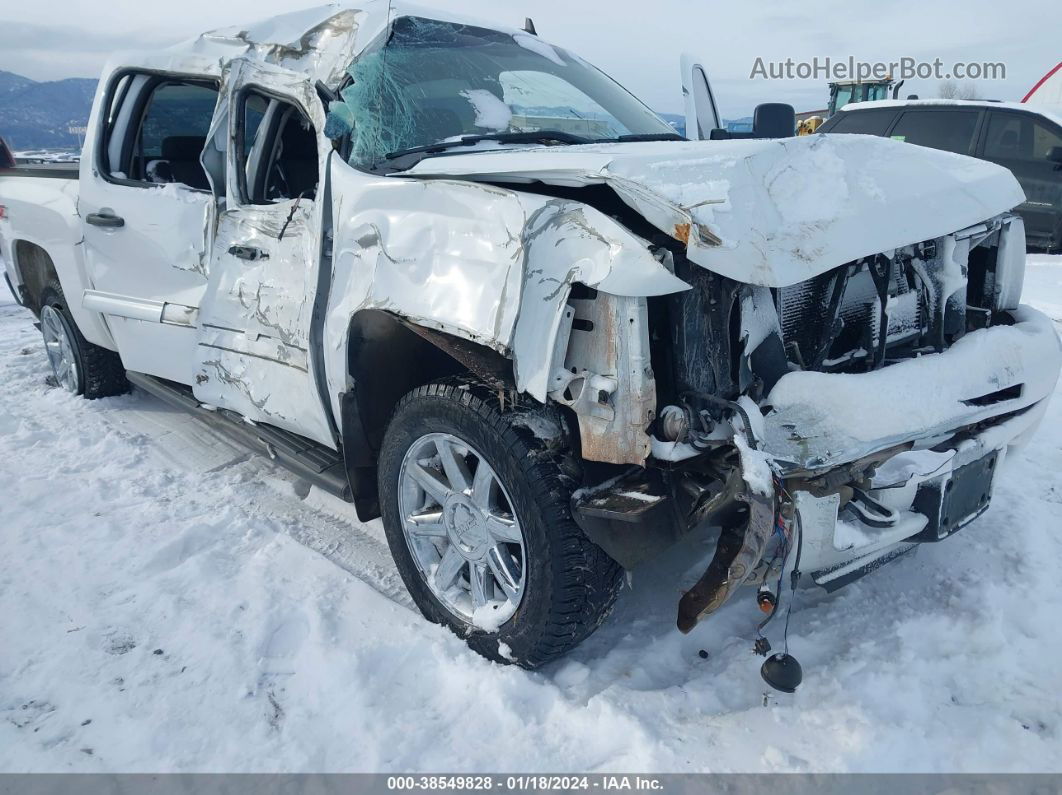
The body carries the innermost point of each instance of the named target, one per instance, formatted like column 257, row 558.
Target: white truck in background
column 464, row 280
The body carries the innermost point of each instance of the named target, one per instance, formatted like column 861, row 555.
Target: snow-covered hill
column 168, row 603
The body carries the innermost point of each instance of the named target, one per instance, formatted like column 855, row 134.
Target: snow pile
column 536, row 45
column 166, row 606
column 491, row 112
column 926, row 392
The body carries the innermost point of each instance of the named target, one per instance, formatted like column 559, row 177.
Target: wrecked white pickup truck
column 464, row 280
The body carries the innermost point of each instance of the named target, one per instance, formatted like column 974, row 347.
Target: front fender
column 485, row 263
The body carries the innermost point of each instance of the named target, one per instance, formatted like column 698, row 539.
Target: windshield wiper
column 536, row 137
column 635, row 137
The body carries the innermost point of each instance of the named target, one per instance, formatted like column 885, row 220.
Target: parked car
column 462, row 279
column 1020, row 137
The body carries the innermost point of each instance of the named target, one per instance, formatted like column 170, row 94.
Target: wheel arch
column 35, row 269
column 387, row 356
column 36, row 260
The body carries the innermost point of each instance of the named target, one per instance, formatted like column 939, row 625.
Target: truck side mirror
column 1054, row 154
column 773, row 120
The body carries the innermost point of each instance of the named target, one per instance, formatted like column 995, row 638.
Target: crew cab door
column 702, row 115
column 259, row 322
column 147, row 214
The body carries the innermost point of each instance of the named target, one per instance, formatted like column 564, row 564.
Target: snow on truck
column 464, row 280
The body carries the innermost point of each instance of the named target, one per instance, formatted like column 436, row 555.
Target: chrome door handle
column 249, row 253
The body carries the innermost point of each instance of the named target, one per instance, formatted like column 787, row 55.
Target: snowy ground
column 174, row 605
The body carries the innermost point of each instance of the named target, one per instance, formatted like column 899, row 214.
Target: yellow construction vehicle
column 809, row 125
column 844, row 92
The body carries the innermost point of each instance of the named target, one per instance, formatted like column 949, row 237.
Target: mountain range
column 39, row 115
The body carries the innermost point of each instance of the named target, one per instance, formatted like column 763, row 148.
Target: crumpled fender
column 566, row 242
column 488, row 264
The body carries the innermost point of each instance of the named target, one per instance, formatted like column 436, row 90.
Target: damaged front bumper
column 819, row 421
column 865, row 465
column 934, row 431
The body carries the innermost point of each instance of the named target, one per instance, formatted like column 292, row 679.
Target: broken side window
column 276, row 152
column 438, row 81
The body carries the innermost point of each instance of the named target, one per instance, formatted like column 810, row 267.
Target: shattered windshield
column 439, row 81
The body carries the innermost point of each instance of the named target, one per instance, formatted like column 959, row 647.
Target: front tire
column 78, row 366
column 476, row 506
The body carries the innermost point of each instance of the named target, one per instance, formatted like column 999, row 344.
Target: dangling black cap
column 782, row 672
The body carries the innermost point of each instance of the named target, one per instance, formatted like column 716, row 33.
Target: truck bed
column 44, row 170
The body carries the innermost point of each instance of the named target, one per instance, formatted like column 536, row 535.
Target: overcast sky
column 637, row 43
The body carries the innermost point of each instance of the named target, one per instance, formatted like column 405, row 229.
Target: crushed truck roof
column 319, row 42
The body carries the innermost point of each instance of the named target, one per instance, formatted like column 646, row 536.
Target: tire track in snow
column 316, row 520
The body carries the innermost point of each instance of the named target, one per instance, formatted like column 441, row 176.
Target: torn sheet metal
column 318, row 42
column 606, row 377
column 770, row 212
column 255, row 318
column 737, row 554
column 485, row 263
column 566, row 242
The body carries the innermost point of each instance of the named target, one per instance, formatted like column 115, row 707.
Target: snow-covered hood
column 768, row 212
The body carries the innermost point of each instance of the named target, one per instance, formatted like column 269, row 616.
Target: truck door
column 702, row 116
column 147, row 212
column 259, row 320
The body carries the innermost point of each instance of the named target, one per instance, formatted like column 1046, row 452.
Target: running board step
column 309, row 460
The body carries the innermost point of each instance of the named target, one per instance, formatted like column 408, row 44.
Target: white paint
column 44, row 212
column 253, row 352
column 782, row 210
column 702, row 113
column 160, row 254
column 490, row 264
column 486, row 263
column 123, row 306
column 1010, row 265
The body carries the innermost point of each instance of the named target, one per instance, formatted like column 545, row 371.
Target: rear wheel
column 476, row 509
column 79, row 367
